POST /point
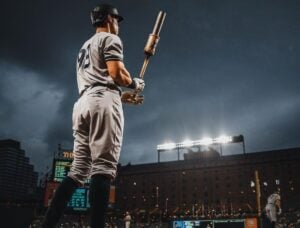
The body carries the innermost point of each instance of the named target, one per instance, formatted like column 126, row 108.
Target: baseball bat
column 149, row 50
column 152, row 41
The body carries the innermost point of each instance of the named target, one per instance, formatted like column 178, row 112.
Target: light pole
column 258, row 197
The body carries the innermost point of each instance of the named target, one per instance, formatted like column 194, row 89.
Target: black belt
column 109, row 86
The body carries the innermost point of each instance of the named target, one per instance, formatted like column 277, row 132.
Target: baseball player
column 127, row 219
column 97, row 117
column 273, row 208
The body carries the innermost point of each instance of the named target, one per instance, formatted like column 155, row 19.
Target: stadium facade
column 206, row 182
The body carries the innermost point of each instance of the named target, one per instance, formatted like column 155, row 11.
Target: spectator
column 127, row 220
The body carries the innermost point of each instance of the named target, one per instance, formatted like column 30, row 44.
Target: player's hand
column 139, row 84
column 130, row 97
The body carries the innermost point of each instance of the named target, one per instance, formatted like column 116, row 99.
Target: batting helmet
column 100, row 12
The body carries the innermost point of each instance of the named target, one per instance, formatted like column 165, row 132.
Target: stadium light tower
column 202, row 142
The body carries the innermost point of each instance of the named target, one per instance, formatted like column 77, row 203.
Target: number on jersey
column 84, row 58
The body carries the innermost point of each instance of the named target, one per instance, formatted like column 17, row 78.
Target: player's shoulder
column 107, row 36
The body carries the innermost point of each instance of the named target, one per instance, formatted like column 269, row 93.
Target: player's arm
column 119, row 73
column 121, row 76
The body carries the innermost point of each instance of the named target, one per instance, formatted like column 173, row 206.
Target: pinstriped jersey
column 92, row 57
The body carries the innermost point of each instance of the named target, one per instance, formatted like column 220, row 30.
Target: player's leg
column 273, row 224
column 98, row 197
column 106, row 133
column 273, row 216
column 59, row 202
column 79, row 170
column 81, row 164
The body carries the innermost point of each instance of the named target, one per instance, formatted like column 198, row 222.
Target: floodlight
column 223, row 139
column 206, row 141
column 167, row 146
column 187, row 143
column 202, row 142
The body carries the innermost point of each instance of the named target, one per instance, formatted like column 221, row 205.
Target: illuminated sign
column 67, row 154
column 251, row 223
column 225, row 223
column 61, row 169
column 79, row 200
column 229, row 223
column 193, row 223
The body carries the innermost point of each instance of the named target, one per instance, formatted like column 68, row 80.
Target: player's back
column 92, row 57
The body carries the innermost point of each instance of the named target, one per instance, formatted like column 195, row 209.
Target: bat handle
column 145, row 64
column 143, row 70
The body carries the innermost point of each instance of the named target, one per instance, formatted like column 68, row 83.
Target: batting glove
column 137, row 84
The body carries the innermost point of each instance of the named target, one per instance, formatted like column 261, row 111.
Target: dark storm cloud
column 221, row 67
column 41, row 35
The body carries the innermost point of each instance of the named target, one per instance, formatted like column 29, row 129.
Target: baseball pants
column 271, row 213
column 98, row 124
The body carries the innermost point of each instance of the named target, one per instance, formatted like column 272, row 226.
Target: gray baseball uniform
column 271, row 207
column 97, row 115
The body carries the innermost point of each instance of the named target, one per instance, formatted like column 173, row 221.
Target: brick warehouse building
column 206, row 181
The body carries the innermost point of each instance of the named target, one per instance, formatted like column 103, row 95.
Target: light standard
column 198, row 143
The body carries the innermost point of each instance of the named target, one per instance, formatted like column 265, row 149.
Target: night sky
column 226, row 67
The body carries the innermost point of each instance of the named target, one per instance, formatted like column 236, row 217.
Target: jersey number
column 84, row 58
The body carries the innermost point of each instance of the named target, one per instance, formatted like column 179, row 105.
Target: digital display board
column 225, row 223
column 79, row 200
column 61, row 169
column 193, row 223
column 230, row 223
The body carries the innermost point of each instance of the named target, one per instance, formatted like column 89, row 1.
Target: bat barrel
column 153, row 39
column 159, row 22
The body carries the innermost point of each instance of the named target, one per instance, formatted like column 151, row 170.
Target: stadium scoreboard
column 218, row 223
column 79, row 200
column 61, row 169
